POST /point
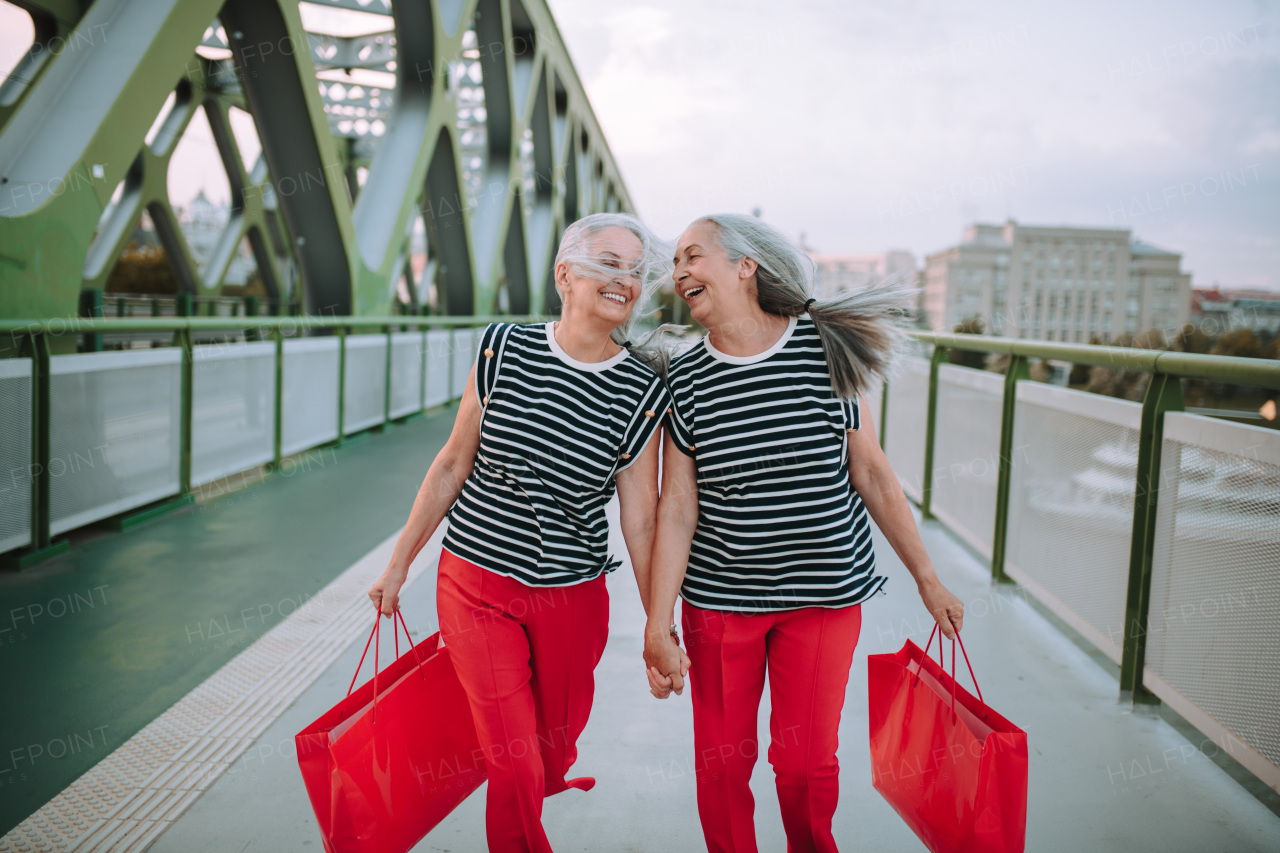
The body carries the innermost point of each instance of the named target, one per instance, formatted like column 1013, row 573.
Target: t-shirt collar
column 589, row 366
column 752, row 359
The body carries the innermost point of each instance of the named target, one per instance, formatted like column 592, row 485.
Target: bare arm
column 638, row 504
column 873, row 477
column 440, row 488
column 677, row 520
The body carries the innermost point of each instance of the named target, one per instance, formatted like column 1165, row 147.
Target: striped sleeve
column 681, row 431
column 679, row 420
column 681, row 428
column 852, row 413
column 644, row 422
column 488, row 355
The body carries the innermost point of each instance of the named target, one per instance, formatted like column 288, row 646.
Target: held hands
column 943, row 606
column 385, row 593
column 666, row 661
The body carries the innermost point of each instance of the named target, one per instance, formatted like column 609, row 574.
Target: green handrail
column 36, row 335
column 89, row 325
column 1163, row 395
column 1260, row 372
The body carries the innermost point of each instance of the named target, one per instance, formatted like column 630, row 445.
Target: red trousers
column 526, row 657
column 808, row 654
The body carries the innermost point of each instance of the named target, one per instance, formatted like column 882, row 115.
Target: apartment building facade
column 838, row 273
column 1055, row 283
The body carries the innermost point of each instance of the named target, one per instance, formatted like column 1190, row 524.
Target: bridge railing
column 1152, row 532
column 129, row 433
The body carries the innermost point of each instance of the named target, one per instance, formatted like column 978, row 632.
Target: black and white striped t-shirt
column 779, row 524
column 554, row 434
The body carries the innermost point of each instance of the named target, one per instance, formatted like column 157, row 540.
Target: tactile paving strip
column 125, row 801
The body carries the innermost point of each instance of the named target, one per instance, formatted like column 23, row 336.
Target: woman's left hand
column 943, row 606
column 666, row 664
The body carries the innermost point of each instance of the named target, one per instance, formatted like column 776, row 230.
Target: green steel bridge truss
column 485, row 147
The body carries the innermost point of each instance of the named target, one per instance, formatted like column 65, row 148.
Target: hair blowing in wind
column 862, row 331
column 651, row 269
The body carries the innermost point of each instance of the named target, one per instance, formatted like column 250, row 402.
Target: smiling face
column 605, row 293
column 717, row 290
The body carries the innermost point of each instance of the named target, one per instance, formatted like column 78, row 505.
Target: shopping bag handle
column 941, row 662
column 953, row 664
column 375, row 637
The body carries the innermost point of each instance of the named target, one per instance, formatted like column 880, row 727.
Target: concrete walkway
column 1102, row 778
column 99, row 641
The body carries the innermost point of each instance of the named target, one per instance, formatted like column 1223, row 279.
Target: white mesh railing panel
column 966, row 452
column 1074, row 462
column 232, row 409
column 1213, row 638
column 309, row 405
column 365, row 392
column 15, row 453
column 466, row 342
column 406, row 373
column 908, row 412
column 115, row 443
column 439, row 369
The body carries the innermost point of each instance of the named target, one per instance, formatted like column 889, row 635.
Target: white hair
column 651, row 269
column 861, row 331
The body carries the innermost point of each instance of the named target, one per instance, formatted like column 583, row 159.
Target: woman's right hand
column 440, row 488
column 385, row 593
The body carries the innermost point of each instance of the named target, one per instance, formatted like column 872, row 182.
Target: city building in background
column 1055, row 283
column 836, row 273
column 1216, row 311
column 203, row 222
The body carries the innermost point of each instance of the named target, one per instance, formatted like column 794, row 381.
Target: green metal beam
column 184, row 339
column 91, row 306
column 60, row 231
column 40, row 442
column 931, row 419
column 386, row 396
column 1164, row 394
column 278, row 401
column 42, row 547
column 60, row 165
column 1019, row 369
column 343, row 331
column 422, row 377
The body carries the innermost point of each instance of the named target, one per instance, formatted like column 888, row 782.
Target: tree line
column 1132, row 384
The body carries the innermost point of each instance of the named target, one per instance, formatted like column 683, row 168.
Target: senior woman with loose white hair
column 770, row 472
column 555, row 416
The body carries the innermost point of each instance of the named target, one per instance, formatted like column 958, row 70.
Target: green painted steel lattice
column 482, row 146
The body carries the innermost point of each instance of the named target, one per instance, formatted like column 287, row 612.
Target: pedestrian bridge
column 200, row 522
column 193, row 502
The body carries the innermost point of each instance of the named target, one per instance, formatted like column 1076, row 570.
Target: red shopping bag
column 392, row 759
column 953, row 769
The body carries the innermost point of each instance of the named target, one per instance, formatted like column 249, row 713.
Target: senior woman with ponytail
column 770, row 470
column 554, row 417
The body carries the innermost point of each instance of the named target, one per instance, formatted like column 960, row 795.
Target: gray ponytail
column 861, row 331
column 652, row 269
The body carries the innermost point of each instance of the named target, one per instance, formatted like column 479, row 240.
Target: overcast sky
column 891, row 123
column 883, row 124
